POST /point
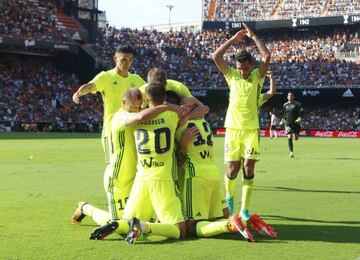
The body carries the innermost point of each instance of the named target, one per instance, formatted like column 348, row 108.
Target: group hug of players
column 161, row 177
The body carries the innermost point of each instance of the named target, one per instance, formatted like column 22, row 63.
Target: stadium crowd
column 35, row 92
column 299, row 59
column 34, row 19
column 226, row 10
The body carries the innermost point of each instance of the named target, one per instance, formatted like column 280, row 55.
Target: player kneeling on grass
column 120, row 173
column 154, row 188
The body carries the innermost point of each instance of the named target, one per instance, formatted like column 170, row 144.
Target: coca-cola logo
column 324, row 133
column 347, row 134
column 199, row 93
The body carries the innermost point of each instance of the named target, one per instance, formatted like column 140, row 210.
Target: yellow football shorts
column 203, row 199
column 154, row 196
column 117, row 192
column 106, row 144
column 242, row 144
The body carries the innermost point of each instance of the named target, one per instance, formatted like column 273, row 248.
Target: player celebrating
column 291, row 120
column 120, row 172
column 242, row 122
column 154, row 189
column 159, row 76
column 112, row 85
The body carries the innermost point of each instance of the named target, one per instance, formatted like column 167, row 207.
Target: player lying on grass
column 120, row 172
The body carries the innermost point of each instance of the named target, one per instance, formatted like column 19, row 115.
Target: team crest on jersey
column 115, row 83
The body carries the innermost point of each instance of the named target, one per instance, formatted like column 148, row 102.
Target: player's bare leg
column 232, row 170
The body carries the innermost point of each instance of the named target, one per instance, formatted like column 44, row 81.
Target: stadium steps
column 66, row 21
column 277, row 8
column 211, row 12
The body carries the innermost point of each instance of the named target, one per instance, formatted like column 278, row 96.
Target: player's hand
column 239, row 36
column 269, row 74
column 298, row 120
column 76, row 98
column 188, row 107
column 249, row 32
column 190, row 134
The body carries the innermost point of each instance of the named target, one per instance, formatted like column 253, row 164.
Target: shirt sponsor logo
column 151, row 163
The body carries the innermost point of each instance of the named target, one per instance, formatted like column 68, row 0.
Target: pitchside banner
column 314, row 133
column 288, row 23
column 325, row 95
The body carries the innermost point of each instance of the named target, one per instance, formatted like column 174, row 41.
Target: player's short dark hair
column 133, row 94
column 125, row 49
column 156, row 93
column 157, row 75
column 172, row 97
column 243, row 56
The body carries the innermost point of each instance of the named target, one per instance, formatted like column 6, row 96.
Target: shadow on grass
column 305, row 190
column 276, row 217
column 24, row 136
column 323, row 233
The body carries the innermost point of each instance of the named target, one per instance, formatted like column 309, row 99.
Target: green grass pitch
column 313, row 201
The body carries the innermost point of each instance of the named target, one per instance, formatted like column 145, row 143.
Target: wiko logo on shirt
column 151, row 163
column 205, row 154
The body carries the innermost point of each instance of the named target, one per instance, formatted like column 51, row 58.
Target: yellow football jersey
column 155, row 147
column 112, row 88
column 200, row 160
column 123, row 155
column 242, row 113
column 173, row 85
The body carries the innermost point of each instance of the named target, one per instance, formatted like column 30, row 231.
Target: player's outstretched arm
column 272, row 90
column 150, row 113
column 265, row 53
column 82, row 91
column 218, row 55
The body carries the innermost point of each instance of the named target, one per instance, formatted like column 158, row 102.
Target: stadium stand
column 36, row 19
column 299, row 59
column 277, row 9
column 37, row 94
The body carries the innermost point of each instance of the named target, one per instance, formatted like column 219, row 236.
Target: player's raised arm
column 218, row 55
column 83, row 90
column 272, row 90
column 265, row 53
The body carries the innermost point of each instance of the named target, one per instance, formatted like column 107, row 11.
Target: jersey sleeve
column 139, row 82
column 261, row 100
column 119, row 120
column 258, row 76
column 230, row 76
column 179, row 88
column 99, row 81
